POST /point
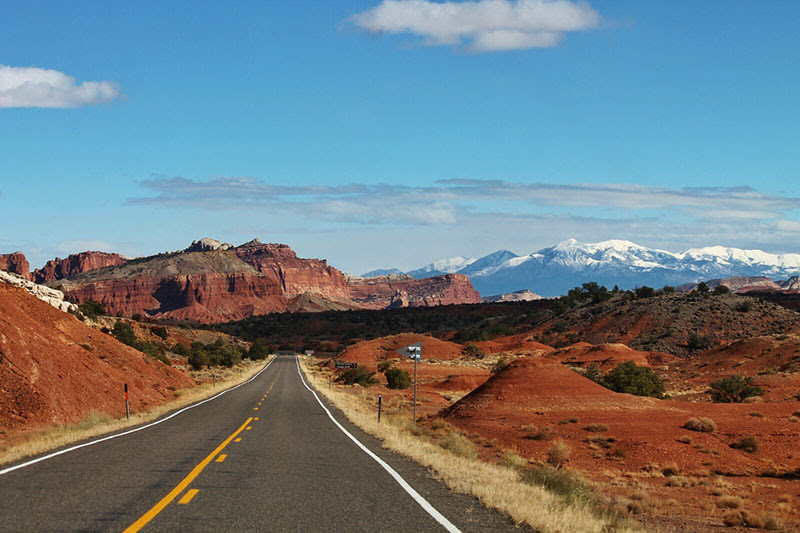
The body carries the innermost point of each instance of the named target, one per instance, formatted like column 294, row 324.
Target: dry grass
column 458, row 444
column 97, row 423
column 536, row 433
column 703, row 424
column 748, row 444
column 494, row 485
column 596, row 427
column 671, row 469
column 558, row 454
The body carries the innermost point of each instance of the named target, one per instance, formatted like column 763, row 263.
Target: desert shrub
column 124, row 333
column 558, row 453
column 500, row 365
column 259, row 350
column 198, row 359
column 699, row 342
column 571, row 486
column 537, row 433
column 137, row 317
column 594, row 373
column 632, row 379
column 472, row 351
column 671, row 469
column 571, row 420
column 159, row 331
column 644, row 292
column 668, row 289
column 748, row 444
column 702, row 424
column 383, row 366
column 734, row 389
column 397, row 378
column 722, row 289
column 228, row 356
column 560, row 327
column 757, row 414
column 181, row 349
column 702, row 287
column 92, row 309
column 458, row 444
column 358, row 376
column 752, row 520
column 596, row 427
column 685, row 439
column 744, row 307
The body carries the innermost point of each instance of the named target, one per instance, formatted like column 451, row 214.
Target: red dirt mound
column 773, row 361
column 631, row 439
column 386, row 348
column 522, row 342
column 55, row 369
column 607, row 356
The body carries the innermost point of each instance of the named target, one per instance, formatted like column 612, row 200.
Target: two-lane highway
column 265, row 456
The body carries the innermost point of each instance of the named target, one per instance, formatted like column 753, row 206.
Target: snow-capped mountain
column 442, row 266
column 553, row 271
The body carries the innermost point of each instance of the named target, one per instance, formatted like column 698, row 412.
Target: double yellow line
column 166, row 500
column 180, row 487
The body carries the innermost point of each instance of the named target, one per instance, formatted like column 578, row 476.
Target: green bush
column 699, row 342
column 397, row 378
column 259, row 350
column 92, row 309
column 124, row 333
column 160, row 331
column 358, row 376
column 181, row 349
column 722, row 289
column 644, row 292
column 472, row 351
column 500, row 365
column 734, row 389
column 198, row 359
column 632, row 379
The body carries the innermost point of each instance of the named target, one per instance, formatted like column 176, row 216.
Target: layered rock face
column 404, row 291
column 15, row 263
column 211, row 282
column 75, row 264
column 46, row 294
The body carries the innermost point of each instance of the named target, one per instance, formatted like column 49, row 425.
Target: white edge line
column 128, row 432
column 430, row 509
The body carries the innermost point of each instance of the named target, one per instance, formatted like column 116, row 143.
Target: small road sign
column 412, row 351
column 344, row 364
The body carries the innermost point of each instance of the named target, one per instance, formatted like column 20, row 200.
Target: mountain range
column 553, row 271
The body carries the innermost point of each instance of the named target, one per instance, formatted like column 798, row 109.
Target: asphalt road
column 265, row 456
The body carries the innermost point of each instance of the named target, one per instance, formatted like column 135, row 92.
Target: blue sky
column 375, row 134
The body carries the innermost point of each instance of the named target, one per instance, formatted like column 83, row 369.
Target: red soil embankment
column 55, row 369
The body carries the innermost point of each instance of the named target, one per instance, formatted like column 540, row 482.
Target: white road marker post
column 127, row 405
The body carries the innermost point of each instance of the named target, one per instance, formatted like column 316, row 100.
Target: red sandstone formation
column 16, row 264
column 224, row 283
column 404, row 291
column 75, row 264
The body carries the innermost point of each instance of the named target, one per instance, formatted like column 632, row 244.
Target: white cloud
column 485, row 25
column 38, row 87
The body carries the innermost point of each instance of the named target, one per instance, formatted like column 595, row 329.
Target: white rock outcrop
column 208, row 245
column 46, row 294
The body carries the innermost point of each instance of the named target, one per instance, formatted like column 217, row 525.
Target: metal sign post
column 380, row 400
column 414, row 352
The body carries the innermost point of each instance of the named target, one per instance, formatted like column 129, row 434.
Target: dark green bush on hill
column 358, row 376
column 734, row 389
column 160, row 331
column 259, row 350
column 92, row 309
column 397, row 378
column 632, row 379
column 124, row 333
column 699, row 342
column 472, row 351
column 644, row 292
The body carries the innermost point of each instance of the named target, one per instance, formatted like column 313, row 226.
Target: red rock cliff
column 230, row 283
column 15, row 263
column 75, row 264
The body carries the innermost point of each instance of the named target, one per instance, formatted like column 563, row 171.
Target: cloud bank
column 38, row 87
column 483, row 25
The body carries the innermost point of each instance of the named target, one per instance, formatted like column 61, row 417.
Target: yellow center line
column 248, row 428
column 221, row 457
column 188, row 496
column 237, row 439
column 166, row 500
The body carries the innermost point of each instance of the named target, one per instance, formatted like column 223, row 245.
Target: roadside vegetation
column 629, row 378
column 98, row 423
column 545, row 496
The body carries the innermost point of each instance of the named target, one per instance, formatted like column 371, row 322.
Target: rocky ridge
column 46, row 294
